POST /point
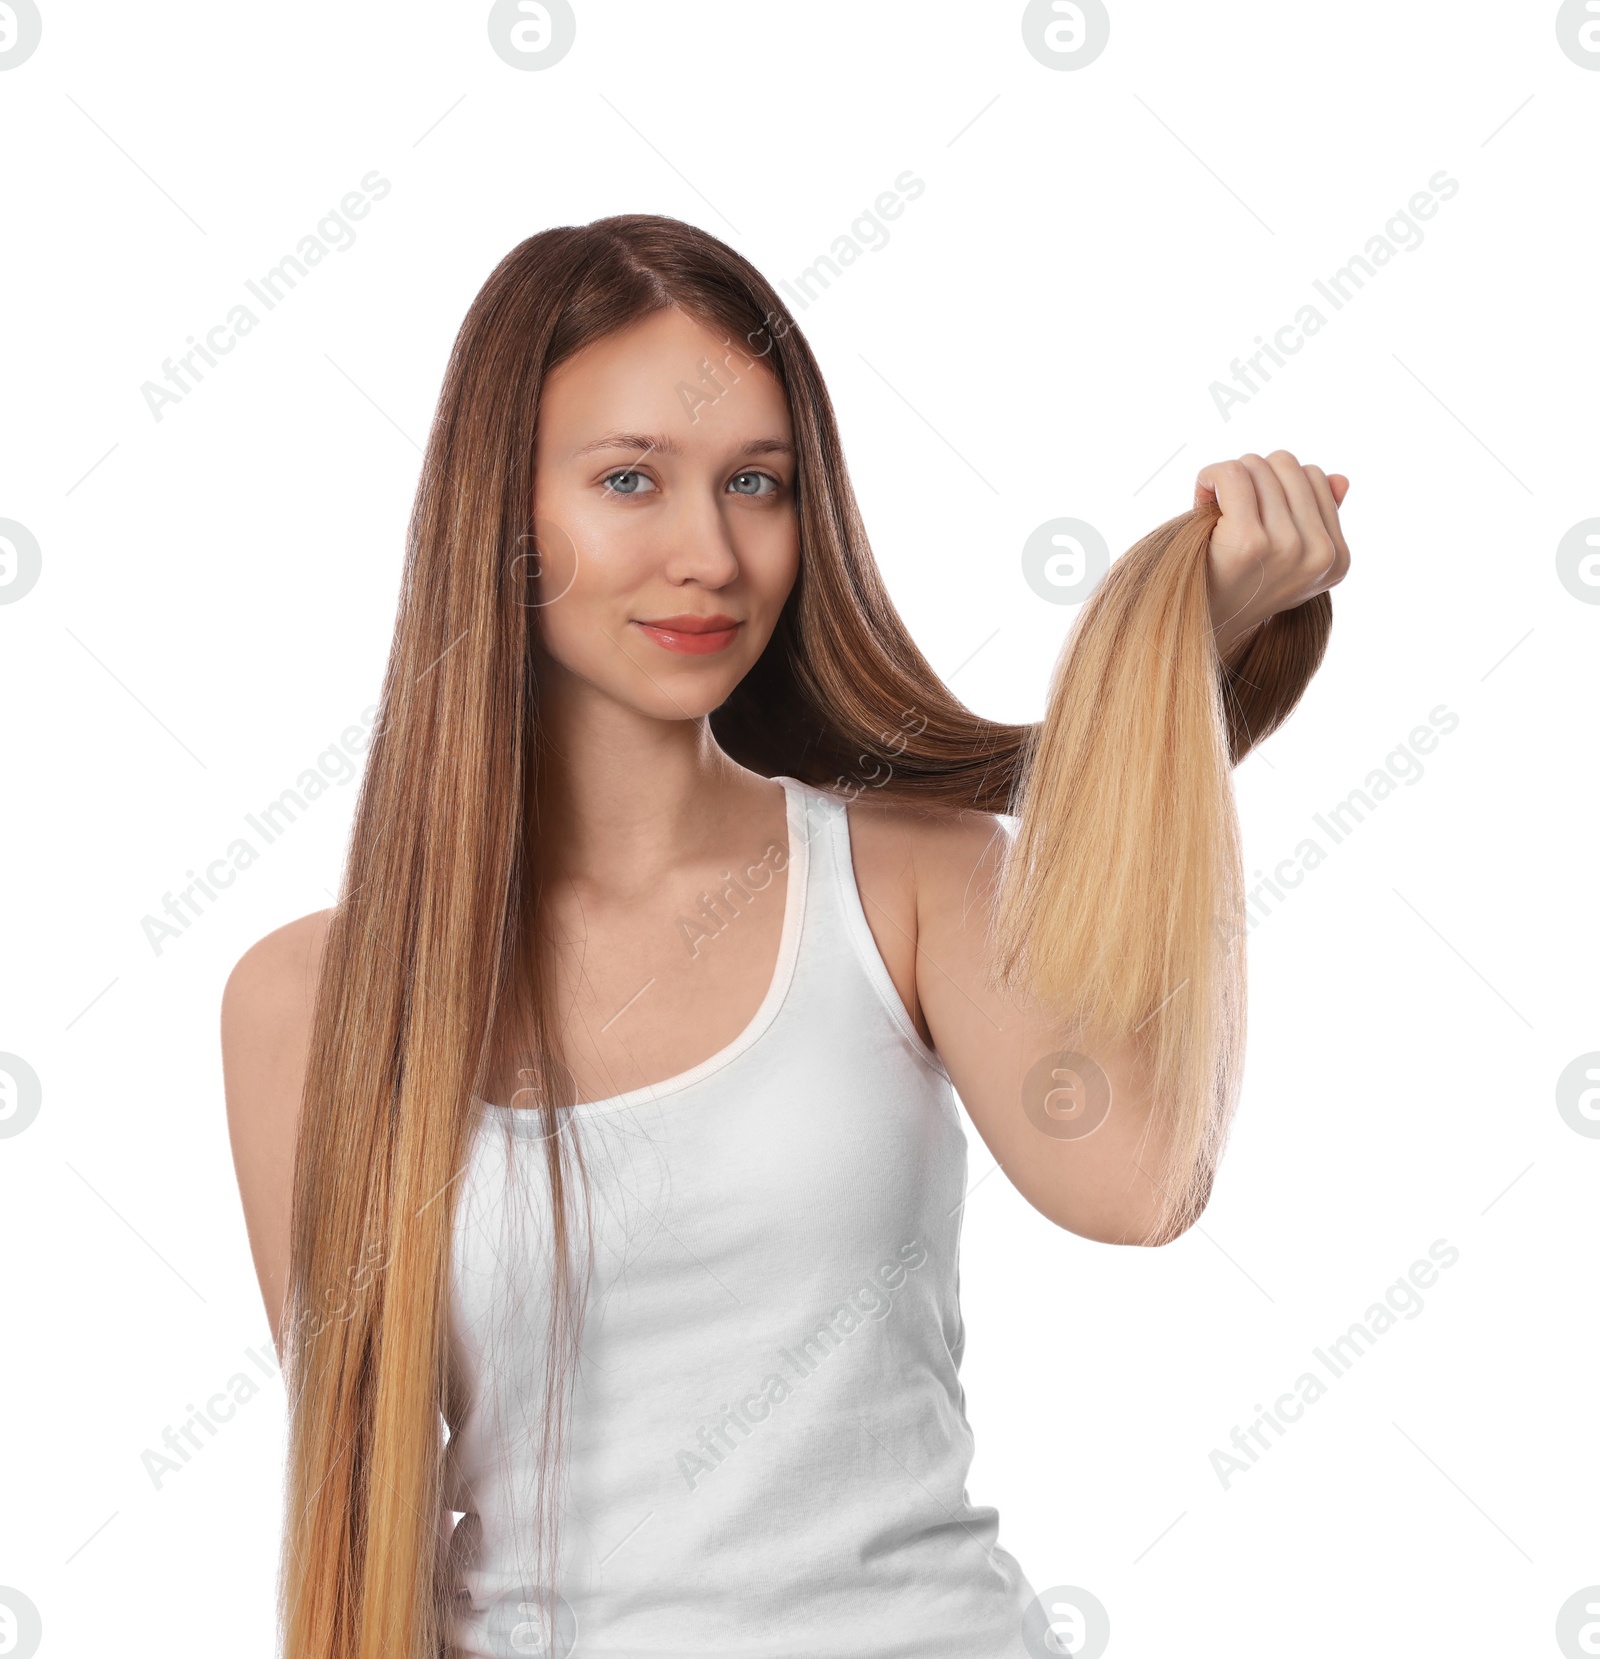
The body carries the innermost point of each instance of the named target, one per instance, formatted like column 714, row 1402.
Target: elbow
column 1141, row 1229
column 1113, row 1207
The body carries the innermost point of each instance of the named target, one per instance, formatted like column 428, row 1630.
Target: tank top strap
column 818, row 831
column 836, row 921
column 814, row 816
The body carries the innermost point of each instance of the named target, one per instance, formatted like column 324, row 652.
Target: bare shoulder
column 943, row 857
column 273, row 986
column 267, row 1007
column 935, row 868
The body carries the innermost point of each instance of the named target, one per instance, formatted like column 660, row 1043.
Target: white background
column 1037, row 339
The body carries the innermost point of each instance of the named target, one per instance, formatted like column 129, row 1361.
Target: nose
column 699, row 543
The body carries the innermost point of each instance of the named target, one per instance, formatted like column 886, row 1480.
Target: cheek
column 572, row 611
column 550, row 565
column 774, row 564
column 771, row 570
column 582, row 578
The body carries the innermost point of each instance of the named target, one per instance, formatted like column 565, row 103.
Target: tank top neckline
column 798, row 869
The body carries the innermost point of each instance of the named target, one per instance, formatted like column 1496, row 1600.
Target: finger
column 1276, row 513
column 1327, row 504
column 1327, row 501
column 1317, row 546
column 1330, row 488
column 1229, row 485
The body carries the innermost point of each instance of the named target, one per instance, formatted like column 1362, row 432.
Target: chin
column 690, row 701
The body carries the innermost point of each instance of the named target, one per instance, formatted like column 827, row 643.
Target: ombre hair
column 1121, row 901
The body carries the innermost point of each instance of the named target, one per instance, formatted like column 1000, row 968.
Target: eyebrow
column 660, row 444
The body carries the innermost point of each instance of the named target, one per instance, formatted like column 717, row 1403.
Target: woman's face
column 664, row 515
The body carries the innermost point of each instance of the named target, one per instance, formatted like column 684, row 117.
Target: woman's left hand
column 1277, row 544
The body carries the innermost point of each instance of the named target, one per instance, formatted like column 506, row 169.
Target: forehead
column 668, row 374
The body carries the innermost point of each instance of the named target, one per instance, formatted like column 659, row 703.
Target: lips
column 689, row 635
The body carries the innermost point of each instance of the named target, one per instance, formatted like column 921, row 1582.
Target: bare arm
column 266, row 1027
column 927, row 882
column 1082, row 1136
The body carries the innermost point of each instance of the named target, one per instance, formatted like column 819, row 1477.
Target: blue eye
column 627, row 482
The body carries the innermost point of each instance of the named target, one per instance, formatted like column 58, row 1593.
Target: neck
column 625, row 795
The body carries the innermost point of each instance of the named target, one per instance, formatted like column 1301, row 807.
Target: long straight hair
column 1120, row 899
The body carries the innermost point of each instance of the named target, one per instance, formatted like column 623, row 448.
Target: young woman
column 599, row 1150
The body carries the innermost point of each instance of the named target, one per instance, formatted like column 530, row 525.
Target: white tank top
column 768, row 1445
